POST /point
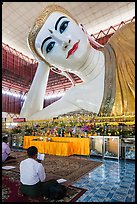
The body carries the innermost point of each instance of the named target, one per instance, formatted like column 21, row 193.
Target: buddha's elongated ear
column 63, row 73
column 91, row 39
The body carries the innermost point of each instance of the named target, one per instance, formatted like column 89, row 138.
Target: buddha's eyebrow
column 59, row 21
column 48, row 38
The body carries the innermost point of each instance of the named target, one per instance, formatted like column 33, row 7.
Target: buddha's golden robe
column 119, row 91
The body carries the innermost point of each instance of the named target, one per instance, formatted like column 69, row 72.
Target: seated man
column 6, row 151
column 32, row 178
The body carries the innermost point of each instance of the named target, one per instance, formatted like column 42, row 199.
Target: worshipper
column 6, row 151
column 33, row 178
column 108, row 88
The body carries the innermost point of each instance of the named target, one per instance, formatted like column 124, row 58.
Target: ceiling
column 18, row 17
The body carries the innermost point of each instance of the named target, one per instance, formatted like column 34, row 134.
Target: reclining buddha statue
column 56, row 39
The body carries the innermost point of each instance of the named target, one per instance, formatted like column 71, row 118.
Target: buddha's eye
column 50, row 46
column 63, row 26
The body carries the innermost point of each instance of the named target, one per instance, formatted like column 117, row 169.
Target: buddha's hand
column 41, row 63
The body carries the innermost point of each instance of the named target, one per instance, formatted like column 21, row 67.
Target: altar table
column 79, row 146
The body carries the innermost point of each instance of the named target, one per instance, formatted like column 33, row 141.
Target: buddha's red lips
column 73, row 49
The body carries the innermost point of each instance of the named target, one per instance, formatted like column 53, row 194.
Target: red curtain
column 11, row 104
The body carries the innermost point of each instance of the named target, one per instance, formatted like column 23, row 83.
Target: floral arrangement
column 78, row 125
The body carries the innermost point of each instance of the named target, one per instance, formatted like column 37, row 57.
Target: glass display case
column 105, row 146
column 16, row 141
column 128, row 148
column 96, row 145
column 130, row 152
column 112, row 147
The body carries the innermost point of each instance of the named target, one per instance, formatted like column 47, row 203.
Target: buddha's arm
column 36, row 94
column 75, row 99
column 55, row 109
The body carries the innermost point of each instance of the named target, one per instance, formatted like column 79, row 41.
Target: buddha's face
column 62, row 43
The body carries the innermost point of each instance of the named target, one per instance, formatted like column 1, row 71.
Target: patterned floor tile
column 109, row 196
column 102, row 193
column 119, row 197
column 122, row 190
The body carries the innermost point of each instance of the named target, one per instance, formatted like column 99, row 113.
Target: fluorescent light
column 13, row 94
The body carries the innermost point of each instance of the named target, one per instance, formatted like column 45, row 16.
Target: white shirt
column 31, row 172
column 5, row 151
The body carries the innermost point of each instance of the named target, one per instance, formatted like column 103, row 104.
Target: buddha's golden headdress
column 39, row 22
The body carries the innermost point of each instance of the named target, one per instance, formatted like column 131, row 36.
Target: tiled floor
column 113, row 181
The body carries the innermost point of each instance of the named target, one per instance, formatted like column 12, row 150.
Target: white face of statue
column 62, row 42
